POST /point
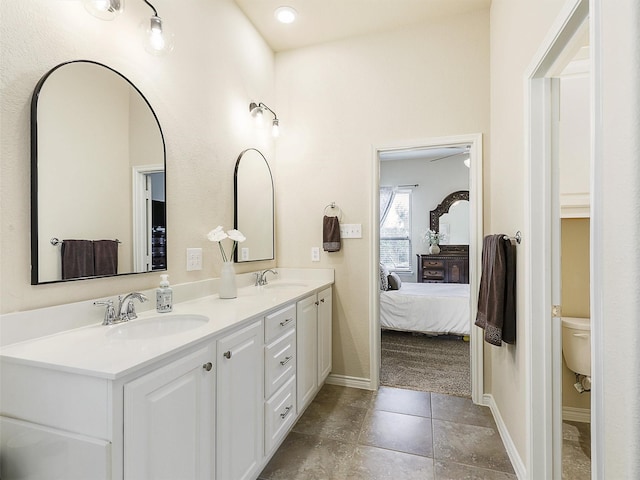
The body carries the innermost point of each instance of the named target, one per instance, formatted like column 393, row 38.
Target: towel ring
column 333, row 206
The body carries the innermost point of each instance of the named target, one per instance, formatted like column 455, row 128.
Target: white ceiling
column 322, row 21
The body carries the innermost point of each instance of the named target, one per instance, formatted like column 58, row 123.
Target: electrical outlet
column 194, row 259
column 315, row 254
column 244, row 254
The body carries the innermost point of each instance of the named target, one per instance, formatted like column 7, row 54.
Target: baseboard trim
column 512, row 451
column 574, row 414
column 348, row 381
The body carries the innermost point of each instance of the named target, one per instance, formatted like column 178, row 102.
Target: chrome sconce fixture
column 257, row 111
column 157, row 40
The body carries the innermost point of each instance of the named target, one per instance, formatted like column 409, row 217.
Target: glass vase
column 228, row 288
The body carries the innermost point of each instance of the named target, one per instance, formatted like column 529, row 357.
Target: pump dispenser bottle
column 164, row 295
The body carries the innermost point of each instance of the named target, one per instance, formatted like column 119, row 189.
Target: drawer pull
column 282, row 324
column 286, row 360
column 227, row 354
column 286, row 412
column 208, row 366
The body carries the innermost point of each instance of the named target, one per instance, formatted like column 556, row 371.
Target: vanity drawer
column 278, row 322
column 426, row 263
column 434, row 274
column 280, row 362
column 279, row 415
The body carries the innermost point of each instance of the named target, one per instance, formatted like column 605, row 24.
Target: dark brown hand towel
column 77, row 259
column 105, row 253
column 330, row 234
column 497, row 296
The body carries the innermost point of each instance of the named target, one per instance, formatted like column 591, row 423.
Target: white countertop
column 97, row 350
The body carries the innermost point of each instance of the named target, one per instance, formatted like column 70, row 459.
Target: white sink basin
column 159, row 326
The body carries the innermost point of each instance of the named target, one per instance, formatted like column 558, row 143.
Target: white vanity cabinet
column 240, row 424
column 280, row 408
column 314, row 344
column 168, row 420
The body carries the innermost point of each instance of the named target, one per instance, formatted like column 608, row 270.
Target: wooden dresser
column 444, row 267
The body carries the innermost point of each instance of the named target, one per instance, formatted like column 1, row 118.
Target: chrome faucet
column 261, row 277
column 126, row 308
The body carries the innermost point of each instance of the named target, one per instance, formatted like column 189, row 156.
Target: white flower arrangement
column 433, row 237
column 218, row 234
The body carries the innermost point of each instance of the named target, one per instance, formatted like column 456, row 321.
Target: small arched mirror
column 97, row 176
column 254, row 208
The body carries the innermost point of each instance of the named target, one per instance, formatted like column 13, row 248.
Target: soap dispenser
column 164, row 295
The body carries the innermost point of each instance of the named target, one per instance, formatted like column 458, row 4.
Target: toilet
column 576, row 347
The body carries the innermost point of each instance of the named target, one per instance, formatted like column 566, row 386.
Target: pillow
column 384, row 277
column 394, row 281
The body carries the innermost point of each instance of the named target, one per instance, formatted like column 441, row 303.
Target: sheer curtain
column 386, row 199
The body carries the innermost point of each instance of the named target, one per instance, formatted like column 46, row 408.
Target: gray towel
column 497, row 296
column 105, row 254
column 330, row 234
column 77, row 259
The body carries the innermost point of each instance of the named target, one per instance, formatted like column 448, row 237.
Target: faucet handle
column 131, row 310
column 258, row 275
column 110, row 312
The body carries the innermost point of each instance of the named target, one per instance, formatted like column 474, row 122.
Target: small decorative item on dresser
column 433, row 238
column 228, row 288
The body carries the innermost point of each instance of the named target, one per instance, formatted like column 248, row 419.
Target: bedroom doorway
column 444, row 175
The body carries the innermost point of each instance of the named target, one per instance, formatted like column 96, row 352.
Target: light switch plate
column 194, row 259
column 244, row 254
column 351, row 230
column 315, row 254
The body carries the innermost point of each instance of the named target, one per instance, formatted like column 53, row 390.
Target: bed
column 431, row 308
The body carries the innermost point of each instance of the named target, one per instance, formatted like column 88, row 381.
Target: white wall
column 200, row 92
column 435, row 181
column 337, row 102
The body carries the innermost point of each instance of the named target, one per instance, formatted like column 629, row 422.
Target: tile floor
column 576, row 450
column 353, row 434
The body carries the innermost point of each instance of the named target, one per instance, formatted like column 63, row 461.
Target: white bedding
column 433, row 308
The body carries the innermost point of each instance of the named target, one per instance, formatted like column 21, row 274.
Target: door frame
column 475, row 260
column 141, row 216
column 544, row 358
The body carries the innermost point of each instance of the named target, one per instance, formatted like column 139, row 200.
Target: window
column 395, row 229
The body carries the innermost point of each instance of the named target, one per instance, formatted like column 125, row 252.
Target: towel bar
column 517, row 237
column 54, row 241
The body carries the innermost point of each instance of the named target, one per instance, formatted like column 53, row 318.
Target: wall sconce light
column 257, row 111
column 157, row 40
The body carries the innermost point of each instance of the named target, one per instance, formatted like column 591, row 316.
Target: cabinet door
column 240, row 409
column 324, row 334
column 168, row 424
column 307, row 350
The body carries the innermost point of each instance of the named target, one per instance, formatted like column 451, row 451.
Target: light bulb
column 275, row 130
column 158, row 41
column 104, row 9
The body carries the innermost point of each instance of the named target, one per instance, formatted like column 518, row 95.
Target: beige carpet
column 429, row 364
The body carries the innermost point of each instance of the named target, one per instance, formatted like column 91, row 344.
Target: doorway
column 149, row 219
column 474, row 143
column 544, row 299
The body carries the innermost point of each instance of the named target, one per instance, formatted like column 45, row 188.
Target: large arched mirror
column 254, row 211
column 97, row 176
column 451, row 218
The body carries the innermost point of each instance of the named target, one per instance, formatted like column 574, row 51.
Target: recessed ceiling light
column 285, row 14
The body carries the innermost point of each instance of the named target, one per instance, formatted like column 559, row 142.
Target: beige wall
column 339, row 100
column 200, row 92
column 517, row 30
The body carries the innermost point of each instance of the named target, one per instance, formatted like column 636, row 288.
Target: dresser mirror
column 254, row 207
column 97, row 174
column 451, row 218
